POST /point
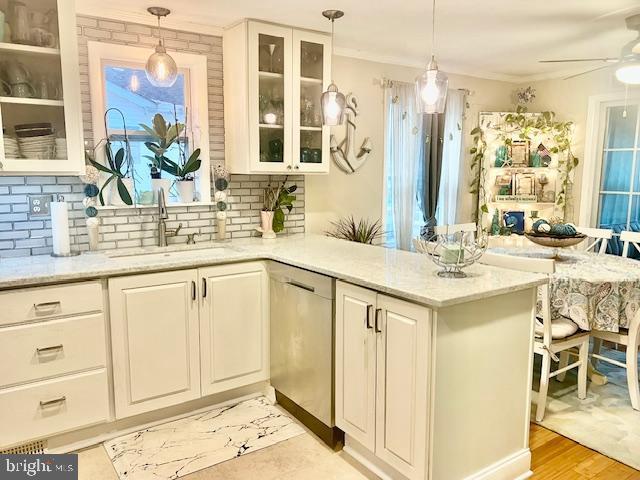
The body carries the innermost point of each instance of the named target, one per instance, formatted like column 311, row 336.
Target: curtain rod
column 388, row 83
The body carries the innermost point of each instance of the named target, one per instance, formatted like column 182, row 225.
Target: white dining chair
column 552, row 336
column 630, row 337
column 597, row 238
column 455, row 228
column 629, row 238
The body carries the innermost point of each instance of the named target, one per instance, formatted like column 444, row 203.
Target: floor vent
column 26, row 449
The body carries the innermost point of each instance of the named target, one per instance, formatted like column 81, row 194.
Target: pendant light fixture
column 432, row 84
column 333, row 102
column 161, row 69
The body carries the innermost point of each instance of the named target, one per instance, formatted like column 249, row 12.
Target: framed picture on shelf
column 519, row 153
column 514, row 219
column 525, row 184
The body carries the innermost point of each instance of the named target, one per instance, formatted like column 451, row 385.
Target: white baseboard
column 513, row 467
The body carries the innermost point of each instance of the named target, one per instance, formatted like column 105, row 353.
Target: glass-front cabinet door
column 39, row 90
column 270, row 93
column 311, row 67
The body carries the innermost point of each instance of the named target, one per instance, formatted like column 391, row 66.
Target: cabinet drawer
column 34, row 351
column 53, row 406
column 48, row 302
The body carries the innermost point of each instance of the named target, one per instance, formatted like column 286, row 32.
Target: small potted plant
column 272, row 215
column 164, row 135
column 183, row 171
column 118, row 167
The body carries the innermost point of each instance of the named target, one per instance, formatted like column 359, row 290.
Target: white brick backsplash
column 127, row 227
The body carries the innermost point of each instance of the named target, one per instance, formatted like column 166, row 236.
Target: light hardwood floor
column 306, row 458
column 555, row 457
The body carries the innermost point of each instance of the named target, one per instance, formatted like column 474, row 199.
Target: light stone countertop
column 407, row 275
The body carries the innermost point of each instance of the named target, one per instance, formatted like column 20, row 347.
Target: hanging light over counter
column 161, row 68
column 333, row 102
column 432, row 85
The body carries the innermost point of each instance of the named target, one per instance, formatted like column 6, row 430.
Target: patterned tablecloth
column 599, row 292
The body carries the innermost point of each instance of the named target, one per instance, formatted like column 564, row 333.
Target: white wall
column 336, row 195
column 569, row 99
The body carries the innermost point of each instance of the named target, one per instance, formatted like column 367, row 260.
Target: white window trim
column 198, row 113
column 594, row 145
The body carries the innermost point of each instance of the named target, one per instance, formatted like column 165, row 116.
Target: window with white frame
column 119, row 86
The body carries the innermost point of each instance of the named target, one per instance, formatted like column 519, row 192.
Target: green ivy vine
column 527, row 127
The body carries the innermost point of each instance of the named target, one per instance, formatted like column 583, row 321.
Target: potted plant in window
column 118, row 167
column 164, row 135
column 183, row 171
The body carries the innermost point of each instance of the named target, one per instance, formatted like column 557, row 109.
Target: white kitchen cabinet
column 155, row 340
column 234, row 326
column 41, row 86
column 274, row 77
column 382, row 376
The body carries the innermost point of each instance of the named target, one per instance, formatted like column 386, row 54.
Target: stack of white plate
column 11, row 149
column 61, row 148
column 42, row 146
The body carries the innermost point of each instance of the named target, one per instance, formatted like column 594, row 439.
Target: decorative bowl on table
column 452, row 252
column 554, row 241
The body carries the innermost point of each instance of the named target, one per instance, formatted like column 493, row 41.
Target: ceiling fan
column 627, row 65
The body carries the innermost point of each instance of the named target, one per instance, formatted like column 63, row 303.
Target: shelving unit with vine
column 498, row 132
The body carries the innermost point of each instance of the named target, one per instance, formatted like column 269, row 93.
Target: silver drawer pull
column 46, row 308
column 308, row 288
column 53, row 401
column 53, row 348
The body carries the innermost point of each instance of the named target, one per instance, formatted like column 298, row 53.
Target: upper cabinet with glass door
column 39, row 92
column 274, row 77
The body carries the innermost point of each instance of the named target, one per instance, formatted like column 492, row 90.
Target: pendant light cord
column 333, row 21
column 433, row 30
column 160, row 32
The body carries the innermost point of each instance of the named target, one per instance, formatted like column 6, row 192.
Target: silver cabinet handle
column 53, row 348
column 368, row 319
column 204, row 287
column 53, row 401
column 46, row 308
column 377, row 322
column 193, row 290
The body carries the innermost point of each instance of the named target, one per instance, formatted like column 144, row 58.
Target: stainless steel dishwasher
column 302, row 338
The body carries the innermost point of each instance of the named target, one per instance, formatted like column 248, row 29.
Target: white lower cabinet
column 177, row 336
column 234, row 326
column 155, row 337
column 382, row 376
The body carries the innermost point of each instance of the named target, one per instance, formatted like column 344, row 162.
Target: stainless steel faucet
column 163, row 231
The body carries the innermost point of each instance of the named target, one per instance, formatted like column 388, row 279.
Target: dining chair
column 596, row 236
column 455, row 228
column 627, row 238
column 630, row 337
column 552, row 335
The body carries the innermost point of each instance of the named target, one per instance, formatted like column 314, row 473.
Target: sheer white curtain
column 451, row 159
column 403, row 154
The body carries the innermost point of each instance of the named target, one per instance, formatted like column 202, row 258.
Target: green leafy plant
column 276, row 199
column 184, row 171
column 164, row 135
column 118, row 167
column 363, row 231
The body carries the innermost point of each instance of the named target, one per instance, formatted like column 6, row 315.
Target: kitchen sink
column 172, row 251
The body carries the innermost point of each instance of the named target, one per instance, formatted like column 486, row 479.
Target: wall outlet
column 39, row 205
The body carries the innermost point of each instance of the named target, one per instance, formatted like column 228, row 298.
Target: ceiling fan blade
column 588, row 71
column 609, row 60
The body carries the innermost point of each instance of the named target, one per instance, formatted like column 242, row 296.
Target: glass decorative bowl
column 452, row 252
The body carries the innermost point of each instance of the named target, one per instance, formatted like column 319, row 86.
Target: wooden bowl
column 554, row 241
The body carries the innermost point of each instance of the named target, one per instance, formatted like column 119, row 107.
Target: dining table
column 597, row 292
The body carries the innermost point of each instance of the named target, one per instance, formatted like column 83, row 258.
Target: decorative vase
column 157, row 183
column 92, row 231
column 266, row 218
column 186, row 189
column 114, row 194
column 221, row 234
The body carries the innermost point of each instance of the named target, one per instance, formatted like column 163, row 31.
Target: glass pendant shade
column 333, row 106
column 629, row 72
column 431, row 89
column 161, row 69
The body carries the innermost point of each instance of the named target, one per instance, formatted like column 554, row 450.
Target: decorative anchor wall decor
column 344, row 153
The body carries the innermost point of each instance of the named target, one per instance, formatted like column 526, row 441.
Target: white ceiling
column 500, row 39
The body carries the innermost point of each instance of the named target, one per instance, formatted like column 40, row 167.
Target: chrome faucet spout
column 163, row 231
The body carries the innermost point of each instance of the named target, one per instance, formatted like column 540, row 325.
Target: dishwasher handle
column 308, row 288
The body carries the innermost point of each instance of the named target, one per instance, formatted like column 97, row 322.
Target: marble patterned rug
column 177, row 448
column 604, row 421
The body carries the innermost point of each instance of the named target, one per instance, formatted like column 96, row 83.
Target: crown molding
column 173, row 22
